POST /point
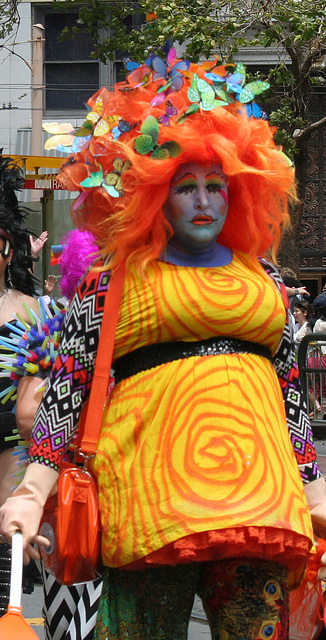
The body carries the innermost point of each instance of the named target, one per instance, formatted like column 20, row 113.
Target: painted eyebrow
column 187, row 176
column 214, row 175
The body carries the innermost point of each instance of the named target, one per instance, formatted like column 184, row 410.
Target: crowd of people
column 203, row 487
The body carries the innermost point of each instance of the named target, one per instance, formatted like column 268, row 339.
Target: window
column 132, row 22
column 71, row 76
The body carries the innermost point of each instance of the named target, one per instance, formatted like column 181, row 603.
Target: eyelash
column 187, row 188
column 214, row 187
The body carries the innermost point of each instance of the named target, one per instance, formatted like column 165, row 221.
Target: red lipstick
column 202, row 219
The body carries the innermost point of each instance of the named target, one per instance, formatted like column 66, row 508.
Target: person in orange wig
column 206, row 443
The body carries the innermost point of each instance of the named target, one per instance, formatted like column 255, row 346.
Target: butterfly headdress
column 170, row 92
column 134, row 138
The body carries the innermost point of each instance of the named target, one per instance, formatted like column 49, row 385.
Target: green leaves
column 204, row 27
column 9, row 18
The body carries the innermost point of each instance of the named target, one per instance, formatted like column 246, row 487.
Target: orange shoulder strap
column 93, row 412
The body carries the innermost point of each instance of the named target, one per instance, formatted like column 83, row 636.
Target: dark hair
column 319, row 305
column 290, row 281
column 304, row 307
column 12, row 216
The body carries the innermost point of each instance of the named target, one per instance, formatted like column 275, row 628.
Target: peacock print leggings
column 244, row 599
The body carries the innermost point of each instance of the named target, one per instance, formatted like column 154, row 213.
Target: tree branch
column 312, row 56
column 299, row 134
column 16, row 54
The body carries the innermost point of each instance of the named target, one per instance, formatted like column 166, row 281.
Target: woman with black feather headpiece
column 16, row 296
column 18, row 274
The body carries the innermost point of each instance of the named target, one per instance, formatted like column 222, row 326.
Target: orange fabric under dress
column 194, row 459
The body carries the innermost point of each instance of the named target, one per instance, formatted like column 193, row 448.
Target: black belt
column 154, row 355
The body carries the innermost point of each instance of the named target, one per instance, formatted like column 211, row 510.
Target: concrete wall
column 16, row 81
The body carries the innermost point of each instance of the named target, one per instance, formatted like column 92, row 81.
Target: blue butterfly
column 254, row 111
column 234, row 82
column 214, row 77
column 170, row 71
column 121, row 128
column 160, row 68
column 131, row 65
column 167, row 46
column 78, row 144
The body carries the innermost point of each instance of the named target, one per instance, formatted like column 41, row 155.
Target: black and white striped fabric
column 70, row 612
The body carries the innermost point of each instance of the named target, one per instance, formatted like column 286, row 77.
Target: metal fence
column 312, row 368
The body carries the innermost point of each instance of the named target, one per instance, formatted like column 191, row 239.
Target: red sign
column 42, row 182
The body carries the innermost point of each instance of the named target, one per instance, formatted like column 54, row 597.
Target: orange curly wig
column 133, row 227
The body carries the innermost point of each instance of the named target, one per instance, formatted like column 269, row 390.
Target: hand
column 49, row 284
column 23, row 511
column 294, row 291
column 38, row 244
column 316, row 498
column 318, row 517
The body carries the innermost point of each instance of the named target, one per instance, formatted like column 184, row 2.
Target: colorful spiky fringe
column 20, row 455
column 30, row 350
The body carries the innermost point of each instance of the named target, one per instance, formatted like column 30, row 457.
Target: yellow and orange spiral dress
column 194, row 459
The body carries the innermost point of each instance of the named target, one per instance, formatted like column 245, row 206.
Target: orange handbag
column 71, row 520
column 71, row 523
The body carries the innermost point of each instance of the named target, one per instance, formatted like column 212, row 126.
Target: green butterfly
column 147, row 142
column 85, row 130
column 240, row 68
column 97, row 179
column 203, row 93
column 223, row 94
column 192, row 109
column 252, row 89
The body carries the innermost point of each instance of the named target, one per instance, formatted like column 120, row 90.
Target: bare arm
column 28, row 400
column 292, row 291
